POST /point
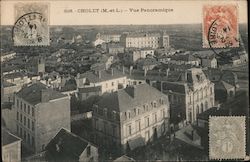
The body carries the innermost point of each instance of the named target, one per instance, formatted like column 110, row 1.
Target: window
column 17, row 103
column 33, row 141
column 114, row 115
column 129, row 115
column 24, row 107
column 163, row 113
column 129, row 130
column 21, row 118
column 29, row 138
column 28, row 123
column 24, row 120
column 105, row 112
column 33, row 126
column 33, row 111
column 24, row 135
column 88, row 151
column 138, row 126
column 21, row 104
column 154, row 104
column 17, row 116
column 21, row 132
column 28, row 109
column 147, row 121
column 17, row 129
column 211, row 90
column 112, row 83
column 155, row 118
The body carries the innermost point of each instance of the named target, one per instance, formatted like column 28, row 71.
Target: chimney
column 45, row 95
column 99, row 74
column 184, row 76
column 112, row 71
column 123, row 70
column 145, row 71
column 130, row 70
column 167, row 72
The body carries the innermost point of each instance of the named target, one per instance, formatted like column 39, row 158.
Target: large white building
column 143, row 40
column 37, row 118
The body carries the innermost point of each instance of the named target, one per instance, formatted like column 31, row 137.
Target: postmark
column 220, row 26
column 227, row 137
column 32, row 24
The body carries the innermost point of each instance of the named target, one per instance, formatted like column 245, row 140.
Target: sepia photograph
column 124, row 81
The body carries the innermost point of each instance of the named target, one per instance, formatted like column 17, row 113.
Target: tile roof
column 223, row 85
column 123, row 158
column 32, row 93
column 15, row 75
column 92, row 76
column 89, row 89
column 130, row 97
column 147, row 62
column 214, row 111
column 134, row 35
column 182, row 57
column 175, row 87
column 65, row 146
column 7, row 137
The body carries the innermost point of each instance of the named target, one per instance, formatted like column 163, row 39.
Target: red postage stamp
column 220, row 26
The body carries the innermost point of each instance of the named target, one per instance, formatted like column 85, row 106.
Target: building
column 37, row 115
column 17, row 78
column 11, row 147
column 207, row 58
column 131, row 117
column 86, row 92
column 184, row 59
column 115, row 49
column 124, row 158
column 36, row 65
column 7, row 56
column 224, row 91
column 66, row 146
column 144, row 40
column 134, row 54
column 109, row 80
column 147, row 63
column 190, row 95
column 109, row 37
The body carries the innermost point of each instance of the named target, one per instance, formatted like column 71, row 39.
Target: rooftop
column 8, row 138
column 134, row 35
column 184, row 57
column 223, row 85
column 93, row 76
column 65, row 146
column 130, row 97
column 33, row 93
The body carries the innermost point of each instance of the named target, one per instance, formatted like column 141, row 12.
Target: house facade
column 33, row 106
column 131, row 117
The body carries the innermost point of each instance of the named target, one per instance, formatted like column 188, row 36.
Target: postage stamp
column 220, row 26
column 227, row 137
column 32, row 24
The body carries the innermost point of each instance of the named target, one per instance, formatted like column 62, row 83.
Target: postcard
column 116, row 80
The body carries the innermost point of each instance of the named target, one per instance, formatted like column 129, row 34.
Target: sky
column 183, row 12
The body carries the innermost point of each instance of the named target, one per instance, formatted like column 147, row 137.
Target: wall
column 50, row 118
column 93, row 154
column 12, row 152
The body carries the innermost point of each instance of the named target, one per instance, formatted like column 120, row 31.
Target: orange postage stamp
column 220, row 26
